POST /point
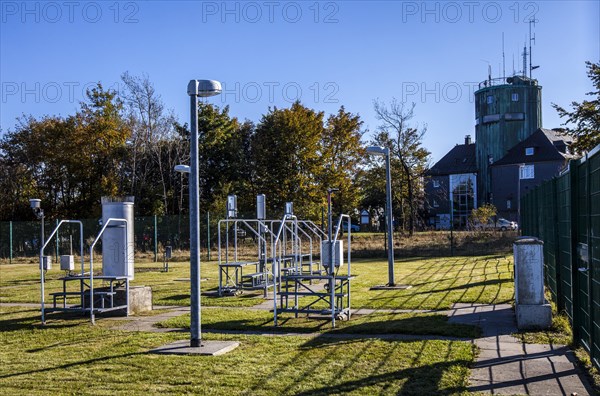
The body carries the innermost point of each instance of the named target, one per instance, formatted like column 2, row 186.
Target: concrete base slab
column 534, row 316
column 388, row 287
column 208, row 348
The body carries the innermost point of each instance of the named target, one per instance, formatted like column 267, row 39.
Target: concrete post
column 532, row 309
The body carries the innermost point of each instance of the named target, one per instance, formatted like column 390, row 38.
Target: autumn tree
column 405, row 144
column 287, row 159
column 68, row 162
column 155, row 146
column 584, row 117
column 342, row 154
column 224, row 164
column 482, row 215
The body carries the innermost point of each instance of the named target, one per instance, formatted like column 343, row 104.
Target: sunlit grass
column 73, row 357
column 436, row 283
column 377, row 323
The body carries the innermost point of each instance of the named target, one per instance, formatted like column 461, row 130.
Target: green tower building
column 507, row 111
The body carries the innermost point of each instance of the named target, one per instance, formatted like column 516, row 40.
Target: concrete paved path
column 505, row 366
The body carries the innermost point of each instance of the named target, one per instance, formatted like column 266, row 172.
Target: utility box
column 67, row 262
column 289, row 208
column 232, row 206
column 532, row 309
column 338, row 254
column 46, row 263
column 261, row 207
column 117, row 240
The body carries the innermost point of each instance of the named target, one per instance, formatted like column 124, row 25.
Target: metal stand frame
column 105, row 298
column 297, row 285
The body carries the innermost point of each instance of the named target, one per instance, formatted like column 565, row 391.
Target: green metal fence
column 565, row 213
column 22, row 238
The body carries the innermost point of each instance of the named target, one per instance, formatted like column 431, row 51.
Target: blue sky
column 269, row 53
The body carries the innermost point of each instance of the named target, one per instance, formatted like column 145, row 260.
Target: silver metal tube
column 108, row 221
column 195, row 330
column 389, row 217
column 42, row 274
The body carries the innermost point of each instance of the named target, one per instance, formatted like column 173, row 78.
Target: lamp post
column 195, row 89
column 39, row 214
column 385, row 152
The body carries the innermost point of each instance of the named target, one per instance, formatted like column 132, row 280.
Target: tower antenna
column 532, row 21
column 503, row 58
column 513, row 56
column 524, row 61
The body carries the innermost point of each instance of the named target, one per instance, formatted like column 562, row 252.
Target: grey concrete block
column 534, row 316
column 140, row 298
column 211, row 348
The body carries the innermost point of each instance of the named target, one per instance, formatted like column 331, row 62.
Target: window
column 515, row 97
column 529, row 151
column 514, row 116
column 508, row 204
column 436, row 204
column 526, row 172
column 491, row 118
column 436, row 183
column 490, row 99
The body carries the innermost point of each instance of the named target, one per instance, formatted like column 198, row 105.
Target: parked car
column 503, row 224
column 500, row 224
column 353, row 227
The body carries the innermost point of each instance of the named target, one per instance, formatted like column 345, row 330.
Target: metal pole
column 208, row 234
column 331, row 268
column 42, row 273
column 57, row 237
column 10, row 246
column 43, row 240
column 155, row 239
column 195, row 330
column 390, row 235
column 519, row 195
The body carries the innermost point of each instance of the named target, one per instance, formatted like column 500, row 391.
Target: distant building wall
column 505, row 186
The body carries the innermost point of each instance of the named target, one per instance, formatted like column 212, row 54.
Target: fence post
column 573, row 166
column 557, row 264
column 588, row 212
column 208, row 235
column 10, row 247
column 155, row 239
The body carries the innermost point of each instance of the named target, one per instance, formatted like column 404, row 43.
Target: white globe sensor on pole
column 182, row 168
column 377, row 151
column 204, row 88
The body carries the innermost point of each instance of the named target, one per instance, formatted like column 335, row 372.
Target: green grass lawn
column 436, row 283
column 377, row 323
column 73, row 357
column 20, row 283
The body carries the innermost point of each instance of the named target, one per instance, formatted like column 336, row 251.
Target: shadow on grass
column 424, row 380
column 465, row 286
column 434, row 325
column 33, row 322
column 71, row 365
